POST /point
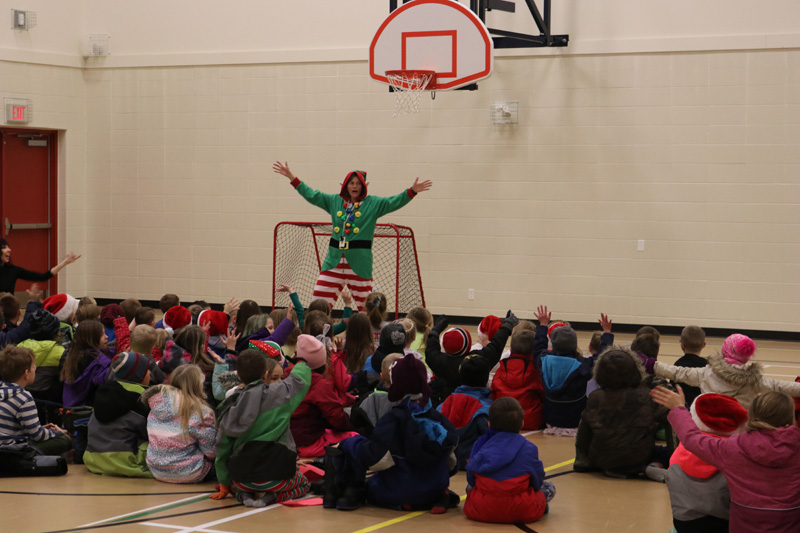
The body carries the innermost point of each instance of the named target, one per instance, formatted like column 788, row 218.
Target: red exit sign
column 17, row 114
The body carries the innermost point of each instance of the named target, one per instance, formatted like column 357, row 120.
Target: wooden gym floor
column 81, row 501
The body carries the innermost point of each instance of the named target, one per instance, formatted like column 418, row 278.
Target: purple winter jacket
column 81, row 391
column 762, row 468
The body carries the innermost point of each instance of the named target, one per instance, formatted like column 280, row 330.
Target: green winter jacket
column 48, row 363
column 254, row 443
column 362, row 227
column 117, row 444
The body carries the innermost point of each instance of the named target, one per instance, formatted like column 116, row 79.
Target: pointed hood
column 362, row 177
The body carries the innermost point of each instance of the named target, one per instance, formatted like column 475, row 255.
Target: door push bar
column 41, row 225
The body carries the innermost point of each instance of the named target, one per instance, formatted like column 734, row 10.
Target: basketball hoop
column 408, row 86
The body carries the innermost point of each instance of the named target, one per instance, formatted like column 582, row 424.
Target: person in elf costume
column 354, row 215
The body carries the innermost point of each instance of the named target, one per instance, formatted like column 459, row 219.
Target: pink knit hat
column 312, row 351
column 738, row 349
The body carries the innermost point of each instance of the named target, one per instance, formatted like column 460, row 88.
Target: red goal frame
column 396, row 270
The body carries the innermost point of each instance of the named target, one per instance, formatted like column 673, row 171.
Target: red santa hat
column 456, row 341
column 718, row 414
column 61, row 305
column 489, row 326
column 217, row 320
column 176, row 318
column 554, row 326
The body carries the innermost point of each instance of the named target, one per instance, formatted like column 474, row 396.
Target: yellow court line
column 390, row 522
column 559, row 465
column 417, row 513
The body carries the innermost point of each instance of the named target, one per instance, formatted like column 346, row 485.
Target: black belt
column 352, row 245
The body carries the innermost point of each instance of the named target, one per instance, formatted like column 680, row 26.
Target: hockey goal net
column 300, row 248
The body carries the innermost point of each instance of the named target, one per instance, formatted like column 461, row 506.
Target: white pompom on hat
column 61, row 305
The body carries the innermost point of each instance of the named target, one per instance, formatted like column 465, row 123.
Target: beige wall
column 166, row 182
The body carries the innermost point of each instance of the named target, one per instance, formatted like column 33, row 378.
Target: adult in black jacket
column 10, row 273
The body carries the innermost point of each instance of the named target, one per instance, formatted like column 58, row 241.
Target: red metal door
column 28, row 200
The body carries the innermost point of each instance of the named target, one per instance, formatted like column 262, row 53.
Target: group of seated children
column 255, row 400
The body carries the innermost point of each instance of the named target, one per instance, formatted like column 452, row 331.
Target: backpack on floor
column 23, row 460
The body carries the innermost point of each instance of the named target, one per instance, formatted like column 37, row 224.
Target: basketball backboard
column 438, row 35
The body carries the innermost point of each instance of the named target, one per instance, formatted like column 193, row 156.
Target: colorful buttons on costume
column 336, row 230
column 346, row 231
column 355, row 230
column 338, row 213
column 358, row 214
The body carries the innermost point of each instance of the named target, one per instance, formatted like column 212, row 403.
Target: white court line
column 531, row 432
column 201, row 527
column 143, row 510
column 169, row 526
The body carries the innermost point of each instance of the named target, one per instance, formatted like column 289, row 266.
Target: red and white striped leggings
column 331, row 282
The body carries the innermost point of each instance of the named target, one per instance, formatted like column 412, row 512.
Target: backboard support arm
column 508, row 39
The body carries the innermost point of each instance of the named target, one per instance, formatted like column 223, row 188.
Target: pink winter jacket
column 762, row 468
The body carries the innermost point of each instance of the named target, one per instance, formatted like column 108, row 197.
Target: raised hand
column 71, row 257
column 543, row 315
column 283, row 170
column 231, row 305
column 605, row 323
column 347, row 298
column 35, row 292
column 284, row 288
column 230, row 340
column 419, row 187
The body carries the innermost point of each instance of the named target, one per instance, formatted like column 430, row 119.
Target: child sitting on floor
column 181, row 428
column 320, row 419
column 565, row 373
column 760, row 465
column 410, row 453
column 505, row 477
column 518, row 378
column 254, row 424
column 698, row 491
column 86, row 364
column 365, row 415
column 618, row 427
column 730, row 372
column 468, row 407
column 117, row 443
column 19, row 421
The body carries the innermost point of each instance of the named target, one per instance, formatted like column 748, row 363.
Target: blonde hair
column 143, row 339
column 187, row 394
column 771, row 410
column 410, row 328
column 386, row 364
column 162, row 336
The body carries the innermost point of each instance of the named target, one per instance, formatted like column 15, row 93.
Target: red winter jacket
column 321, row 409
column 503, row 502
column 518, row 378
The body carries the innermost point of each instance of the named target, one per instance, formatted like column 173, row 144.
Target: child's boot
column 331, row 491
column 352, row 498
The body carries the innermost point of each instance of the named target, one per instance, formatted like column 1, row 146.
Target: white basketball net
column 408, row 88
